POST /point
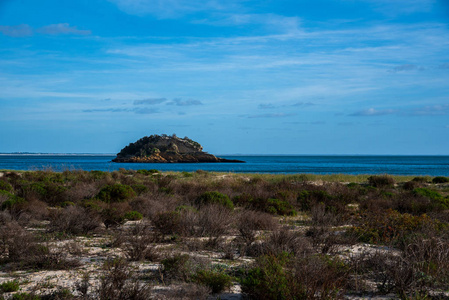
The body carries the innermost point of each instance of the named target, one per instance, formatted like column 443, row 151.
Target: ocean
column 275, row 164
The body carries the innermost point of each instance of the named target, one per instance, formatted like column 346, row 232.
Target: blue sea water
column 316, row 164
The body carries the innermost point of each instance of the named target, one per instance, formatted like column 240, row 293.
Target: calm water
column 395, row 165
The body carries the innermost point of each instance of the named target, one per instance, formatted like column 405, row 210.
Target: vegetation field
column 143, row 234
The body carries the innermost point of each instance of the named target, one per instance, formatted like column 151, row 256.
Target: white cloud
column 62, row 28
column 270, row 21
column 172, row 8
column 398, row 7
column 373, row 112
column 21, row 30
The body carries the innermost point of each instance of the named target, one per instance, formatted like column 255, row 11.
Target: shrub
column 25, row 296
column 282, row 241
column 139, row 243
column 217, row 281
column 116, row 193
column 140, row 188
column 437, row 199
column 280, row 207
column 214, row 221
column 250, row 221
column 421, row 179
column 119, row 282
column 391, row 227
column 133, row 215
column 50, row 192
column 10, row 286
column 214, row 198
column 307, row 199
column 12, row 201
column 74, row 220
column 177, row 266
column 285, row 277
column 168, row 222
column 113, row 216
column 147, row 172
column 381, row 181
column 440, row 179
column 5, row 186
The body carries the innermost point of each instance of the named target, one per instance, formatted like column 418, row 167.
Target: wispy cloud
column 21, row 30
column 271, row 22
column 431, row 110
column 272, row 106
column 142, row 111
column 188, row 102
column 145, row 111
column 373, row 112
column 406, row 68
column 25, row 30
column 113, row 110
column 150, row 101
column 278, row 115
column 62, row 28
column 172, row 8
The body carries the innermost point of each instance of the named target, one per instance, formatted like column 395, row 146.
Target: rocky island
column 166, row 149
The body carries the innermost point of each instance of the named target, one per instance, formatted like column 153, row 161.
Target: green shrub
column 285, row 277
column 380, row 181
column 280, row 207
column 307, row 199
column 391, row 227
column 133, row 215
column 217, row 281
column 140, row 188
column 440, row 179
column 67, row 203
column 147, row 172
column 116, row 193
column 11, row 200
column 421, row 179
column 25, row 296
column 437, row 200
column 214, row 198
column 5, row 186
column 10, row 286
column 186, row 174
column 95, row 174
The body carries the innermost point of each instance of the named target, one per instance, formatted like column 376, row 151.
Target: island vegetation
column 143, row 234
column 166, row 149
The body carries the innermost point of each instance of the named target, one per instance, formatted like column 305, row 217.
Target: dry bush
column 280, row 241
column 323, row 237
column 381, row 181
column 138, row 243
column 74, row 220
column 250, row 221
column 19, row 247
column 152, row 204
column 119, row 282
column 81, row 191
column 168, row 223
column 214, row 222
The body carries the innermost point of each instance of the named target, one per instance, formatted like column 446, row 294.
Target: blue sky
column 238, row 76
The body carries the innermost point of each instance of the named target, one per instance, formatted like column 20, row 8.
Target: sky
column 237, row 76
